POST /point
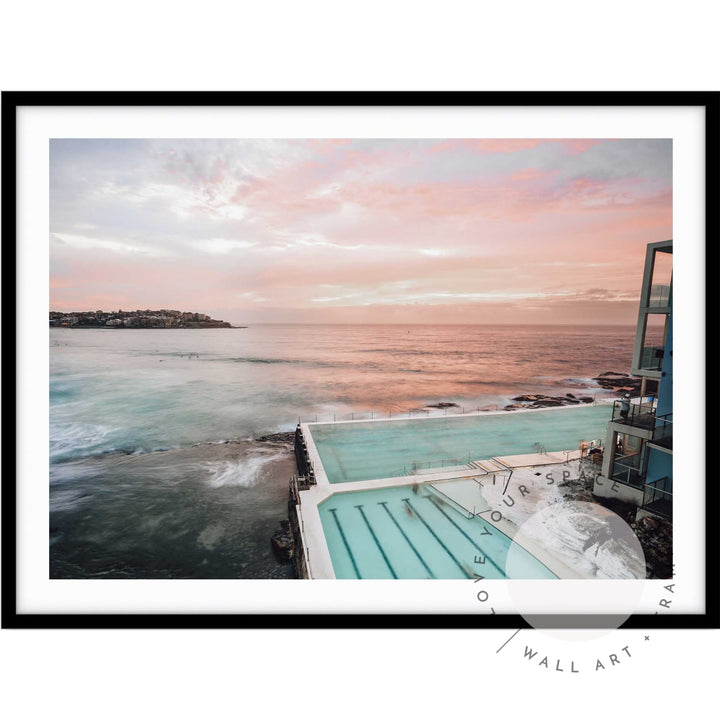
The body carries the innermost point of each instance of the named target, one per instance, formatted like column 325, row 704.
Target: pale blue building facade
column 637, row 459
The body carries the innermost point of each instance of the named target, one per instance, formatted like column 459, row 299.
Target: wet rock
column 284, row 437
column 550, row 402
column 442, row 405
column 540, row 401
column 585, row 399
column 618, row 381
column 283, row 543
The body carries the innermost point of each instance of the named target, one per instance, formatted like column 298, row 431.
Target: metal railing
column 628, row 471
column 415, row 465
column 390, row 414
column 659, row 296
column 663, row 434
column 638, row 412
column 651, row 357
column 657, row 498
column 412, row 413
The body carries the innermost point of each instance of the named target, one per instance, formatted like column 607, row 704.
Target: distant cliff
column 136, row 319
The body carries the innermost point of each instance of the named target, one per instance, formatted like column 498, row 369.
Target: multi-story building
column 637, row 461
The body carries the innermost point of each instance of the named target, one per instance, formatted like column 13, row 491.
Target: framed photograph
column 357, row 360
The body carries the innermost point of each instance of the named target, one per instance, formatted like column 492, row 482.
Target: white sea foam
column 70, row 439
column 242, row 472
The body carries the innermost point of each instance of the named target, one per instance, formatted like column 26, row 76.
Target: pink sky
column 463, row 231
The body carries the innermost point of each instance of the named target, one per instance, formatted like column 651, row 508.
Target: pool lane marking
column 409, row 542
column 377, row 542
column 432, row 532
column 492, row 562
column 347, row 547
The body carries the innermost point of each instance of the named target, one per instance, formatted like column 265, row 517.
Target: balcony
column 663, row 436
column 651, row 357
column 659, row 296
column 657, row 498
column 627, row 470
column 641, row 413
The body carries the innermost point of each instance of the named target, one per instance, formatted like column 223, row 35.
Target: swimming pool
column 406, row 533
column 355, row 451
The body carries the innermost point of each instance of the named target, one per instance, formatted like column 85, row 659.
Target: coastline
column 140, row 327
column 164, row 468
column 201, row 511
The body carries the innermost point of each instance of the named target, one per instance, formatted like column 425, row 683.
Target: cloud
column 382, row 224
column 221, row 246
column 82, row 242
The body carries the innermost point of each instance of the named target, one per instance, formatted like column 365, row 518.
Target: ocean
column 160, row 465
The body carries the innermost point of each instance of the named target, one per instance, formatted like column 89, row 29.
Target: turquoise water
column 202, row 508
column 398, row 533
column 374, row 450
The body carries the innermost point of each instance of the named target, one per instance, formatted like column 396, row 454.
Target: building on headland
column 637, row 462
column 154, row 319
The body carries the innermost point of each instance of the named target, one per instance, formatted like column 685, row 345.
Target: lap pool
column 355, row 451
column 401, row 533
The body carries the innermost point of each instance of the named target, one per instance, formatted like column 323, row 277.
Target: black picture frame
column 13, row 101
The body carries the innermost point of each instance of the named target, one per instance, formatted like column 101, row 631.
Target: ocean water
column 155, row 465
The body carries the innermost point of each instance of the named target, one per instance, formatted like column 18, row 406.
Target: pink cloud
column 364, row 227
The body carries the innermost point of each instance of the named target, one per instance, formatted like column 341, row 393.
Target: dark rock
column 585, row 399
column 615, row 381
column 284, row 437
column 547, row 403
column 442, row 405
column 283, row 543
column 570, row 395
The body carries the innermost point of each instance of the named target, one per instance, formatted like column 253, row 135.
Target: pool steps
column 489, row 466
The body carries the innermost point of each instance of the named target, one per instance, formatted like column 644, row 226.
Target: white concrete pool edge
column 314, row 456
column 599, row 401
column 318, row 557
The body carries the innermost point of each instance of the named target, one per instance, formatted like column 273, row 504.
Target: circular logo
column 581, row 541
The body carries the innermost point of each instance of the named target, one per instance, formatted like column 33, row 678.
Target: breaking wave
column 68, row 440
column 244, row 472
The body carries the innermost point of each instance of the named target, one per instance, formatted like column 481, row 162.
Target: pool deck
column 316, row 553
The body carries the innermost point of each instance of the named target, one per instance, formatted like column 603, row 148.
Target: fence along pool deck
column 316, row 488
column 369, row 450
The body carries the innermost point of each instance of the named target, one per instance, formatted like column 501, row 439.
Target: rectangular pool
column 381, row 449
column 401, row 533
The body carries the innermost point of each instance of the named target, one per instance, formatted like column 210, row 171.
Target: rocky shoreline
column 617, row 382
column 542, row 401
column 281, row 437
column 654, row 534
